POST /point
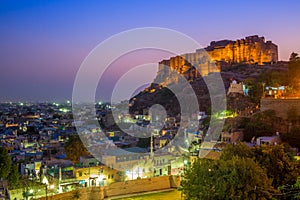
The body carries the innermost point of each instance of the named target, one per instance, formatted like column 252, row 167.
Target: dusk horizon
column 44, row 44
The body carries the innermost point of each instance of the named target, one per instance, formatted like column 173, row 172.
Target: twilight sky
column 43, row 43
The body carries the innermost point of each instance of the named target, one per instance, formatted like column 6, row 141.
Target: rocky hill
column 241, row 59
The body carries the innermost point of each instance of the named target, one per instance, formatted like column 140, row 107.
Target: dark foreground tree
column 5, row 163
column 74, row 149
column 278, row 161
column 294, row 71
column 238, row 178
column 13, row 177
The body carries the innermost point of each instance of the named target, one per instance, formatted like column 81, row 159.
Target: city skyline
column 44, row 43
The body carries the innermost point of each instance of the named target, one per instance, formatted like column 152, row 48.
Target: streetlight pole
column 46, row 187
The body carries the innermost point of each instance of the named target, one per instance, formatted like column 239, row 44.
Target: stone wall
column 91, row 193
column 281, row 106
column 142, row 185
column 120, row 188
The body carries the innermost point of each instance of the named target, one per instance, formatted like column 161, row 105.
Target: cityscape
column 143, row 111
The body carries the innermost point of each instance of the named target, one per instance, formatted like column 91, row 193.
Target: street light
column 46, row 188
column 185, row 162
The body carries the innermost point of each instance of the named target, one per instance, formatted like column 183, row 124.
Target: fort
column 250, row 50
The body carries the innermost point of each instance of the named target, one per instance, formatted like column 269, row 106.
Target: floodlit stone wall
column 281, row 106
column 250, row 50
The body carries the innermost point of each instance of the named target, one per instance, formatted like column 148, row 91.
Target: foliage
column 292, row 115
column 278, row 161
column 5, row 163
column 294, row 71
column 292, row 138
column 260, row 124
column 27, row 185
column 294, row 57
column 13, row 177
column 255, row 90
column 273, row 78
column 237, row 178
column 74, row 149
column 280, row 165
column 267, row 78
column 144, row 142
column 290, row 191
column 240, row 150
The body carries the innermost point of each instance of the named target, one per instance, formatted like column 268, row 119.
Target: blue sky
column 44, row 42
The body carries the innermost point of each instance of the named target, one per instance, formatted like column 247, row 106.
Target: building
column 131, row 162
column 249, row 50
column 236, row 87
column 270, row 140
column 231, row 137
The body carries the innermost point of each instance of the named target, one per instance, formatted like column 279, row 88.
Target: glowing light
column 45, row 180
column 51, row 187
column 134, row 173
column 101, row 177
column 225, row 114
column 64, row 110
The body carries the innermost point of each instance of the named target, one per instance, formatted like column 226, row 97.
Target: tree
column 74, row 149
column 294, row 57
column 292, row 138
column 13, row 177
column 294, row 71
column 292, row 115
column 5, row 163
column 278, row 161
column 144, row 142
column 240, row 149
column 260, row 124
column 237, row 178
column 290, row 191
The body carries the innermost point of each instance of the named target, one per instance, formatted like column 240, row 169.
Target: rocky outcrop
column 251, row 50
